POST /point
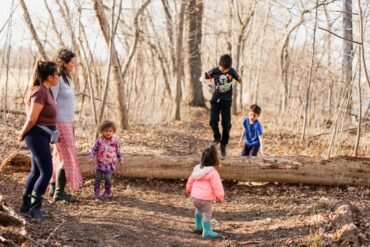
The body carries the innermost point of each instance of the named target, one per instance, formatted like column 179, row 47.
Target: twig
column 34, row 241
column 353, row 41
column 56, row 228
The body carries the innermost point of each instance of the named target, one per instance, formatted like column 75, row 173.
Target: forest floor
column 145, row 212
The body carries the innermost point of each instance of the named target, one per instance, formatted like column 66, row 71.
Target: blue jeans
column 250, row 150
column 38, row 141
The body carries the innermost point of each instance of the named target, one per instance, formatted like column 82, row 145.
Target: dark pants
column 108, row 181
column 223, row 107
column 38, row 141
column 250, row 150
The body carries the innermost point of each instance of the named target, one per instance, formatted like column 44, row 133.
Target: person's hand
column 241, row 143
column 122, row 163
column 20, row 136
column 187, row 193
column 90, row 161
column 219, row 201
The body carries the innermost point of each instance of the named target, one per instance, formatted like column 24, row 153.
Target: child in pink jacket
column 204, row 185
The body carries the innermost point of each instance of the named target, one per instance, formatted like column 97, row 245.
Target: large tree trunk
column 193, row 66
column 347, row 52
column 179, row 64
column 121, row 110
column 305, row 170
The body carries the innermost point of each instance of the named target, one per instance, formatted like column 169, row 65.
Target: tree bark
column 179, row 64
column 121, row 110
column 298, row 170
column 193, row 66
column 347, row 52
column 341, row 170
column 32, row 29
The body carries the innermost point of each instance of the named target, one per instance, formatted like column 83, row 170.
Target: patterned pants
column 204, row 208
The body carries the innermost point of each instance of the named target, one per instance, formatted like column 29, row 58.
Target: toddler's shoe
column 106, row 196
column 95, row 196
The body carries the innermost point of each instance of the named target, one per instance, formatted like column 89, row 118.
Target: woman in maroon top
column 37, row 130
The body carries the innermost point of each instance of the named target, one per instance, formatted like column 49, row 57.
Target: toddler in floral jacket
column 107, row 154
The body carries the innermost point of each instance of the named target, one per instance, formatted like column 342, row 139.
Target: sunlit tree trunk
column 193, row 68
column 347, row 52
column 121, row 110
column 179, row 64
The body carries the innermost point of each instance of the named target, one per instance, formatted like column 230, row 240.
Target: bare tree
column 32, row 29
column 308, row 90
column 193, row 68
column 179, row 64
column 121, row 110
column 53, row 22
column 241, row 37
column 347, row 50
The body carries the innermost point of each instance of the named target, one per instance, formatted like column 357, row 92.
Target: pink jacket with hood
column 205, row 183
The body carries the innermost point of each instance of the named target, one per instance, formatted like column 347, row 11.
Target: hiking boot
column 26, row 202
column 35, row 209
column 208, row 232
column 52, row 189
column 223, row 151
column 60, row 194
column 108, row 192
column 96, row 191
column 198, row 228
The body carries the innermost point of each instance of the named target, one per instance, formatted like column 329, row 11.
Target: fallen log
column 297, row 169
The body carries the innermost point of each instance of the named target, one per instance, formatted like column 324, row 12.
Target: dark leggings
column 37, row 140
column 250, row 150
column 107, row 177
column 223, row 107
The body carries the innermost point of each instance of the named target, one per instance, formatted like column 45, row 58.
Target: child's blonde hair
column 210, row 157
column 106, row 124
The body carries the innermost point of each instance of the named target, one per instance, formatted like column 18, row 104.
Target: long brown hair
column 64, row 57
column 41, row 71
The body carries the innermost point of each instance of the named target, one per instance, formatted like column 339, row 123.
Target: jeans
column 250, row 150
column 223, row 107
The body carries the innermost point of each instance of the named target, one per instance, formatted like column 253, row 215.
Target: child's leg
column 255, row 149
column 226, row 121
column 207, row 215
column 246, row 150
column 214, row 119
column 98, row 178
column 108, row 185
column 198, row 216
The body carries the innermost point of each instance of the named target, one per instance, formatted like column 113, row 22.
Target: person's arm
column 260, row 136
column 261, row 143
column 189, row 185
column 118, row 153
column 32, row 116
column 94, row 151
column 217, row 186
column 241, row 141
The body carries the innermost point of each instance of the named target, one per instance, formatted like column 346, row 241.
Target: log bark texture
column 297, row 169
